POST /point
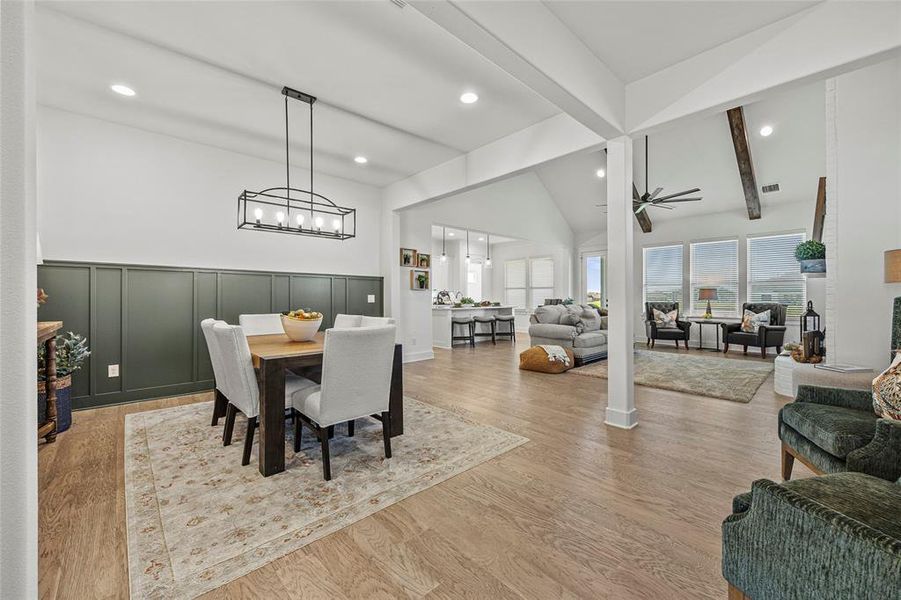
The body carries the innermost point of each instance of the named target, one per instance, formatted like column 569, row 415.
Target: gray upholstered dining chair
column 261, row 324
column 241, row 385
column 221, row 401
column 368, row 353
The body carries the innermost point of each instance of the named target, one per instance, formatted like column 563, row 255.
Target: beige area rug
column 197, row 519
column 716, row 377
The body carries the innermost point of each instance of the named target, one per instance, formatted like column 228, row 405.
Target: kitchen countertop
column 450, row 307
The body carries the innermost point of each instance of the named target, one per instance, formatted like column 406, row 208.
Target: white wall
column 865, row 195
column 111, row 193
column 18, row 280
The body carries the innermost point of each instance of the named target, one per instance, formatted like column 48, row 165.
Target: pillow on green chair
column 887, row 391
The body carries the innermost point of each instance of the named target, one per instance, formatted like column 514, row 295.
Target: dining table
column 274, row 355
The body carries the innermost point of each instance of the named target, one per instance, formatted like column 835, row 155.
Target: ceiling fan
column 647, row 199
column 654, row 198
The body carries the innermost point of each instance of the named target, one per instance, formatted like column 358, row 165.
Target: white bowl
column 300, row 330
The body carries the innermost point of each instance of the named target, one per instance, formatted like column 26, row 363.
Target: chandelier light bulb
column 299, row 219
column 487, row 262
column 443, row 257
column 280, row 217
column 319, row 221
column 336, row 225
column 258, row 214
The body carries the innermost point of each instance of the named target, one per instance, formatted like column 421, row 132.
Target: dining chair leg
column 350, row 428
column 230, row 413
column 326, row 464
column 494, row 332
column 298, row 431
column 248, row 440
column 472, row 334
column 386, row 432
column 219, row 407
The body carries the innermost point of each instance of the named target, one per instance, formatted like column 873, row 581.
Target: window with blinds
column 515, row 283
column 773, row 273
column 541, row 280
column 715, row 265
column 662, row 274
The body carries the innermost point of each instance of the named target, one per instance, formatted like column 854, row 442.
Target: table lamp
column 707, row 294
column 893, row 266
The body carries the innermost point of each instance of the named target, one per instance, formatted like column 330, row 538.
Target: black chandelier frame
column 326, row 219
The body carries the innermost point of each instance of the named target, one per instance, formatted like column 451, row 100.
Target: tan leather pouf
column 535, row 359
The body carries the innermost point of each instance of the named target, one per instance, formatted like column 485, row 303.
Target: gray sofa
column 577, row 327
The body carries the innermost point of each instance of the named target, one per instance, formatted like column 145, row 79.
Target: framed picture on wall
column 407, row 257
column 420, row 280
column 424, row 261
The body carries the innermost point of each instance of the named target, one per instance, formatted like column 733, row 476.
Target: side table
column 701, row 323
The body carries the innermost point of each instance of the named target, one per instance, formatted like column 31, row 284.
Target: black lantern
column 810, row 320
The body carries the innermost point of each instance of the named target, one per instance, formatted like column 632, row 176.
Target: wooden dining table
column 274, row 355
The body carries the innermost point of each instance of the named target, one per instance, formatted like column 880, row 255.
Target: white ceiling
column 388, row 79
column 475, row 237
column 700, row 154
column 636, row 39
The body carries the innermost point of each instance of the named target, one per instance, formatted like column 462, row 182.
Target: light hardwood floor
column 581, row 511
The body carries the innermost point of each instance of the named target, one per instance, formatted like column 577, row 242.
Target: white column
column 620, row 290
column 18, row 283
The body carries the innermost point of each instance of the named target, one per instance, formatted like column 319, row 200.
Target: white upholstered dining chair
column 356, row 383
column 219, row 406
column 241, row 385
column 349, row 321
column 261, row 324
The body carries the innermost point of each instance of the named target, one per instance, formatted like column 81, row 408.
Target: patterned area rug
column 197, row 519
column 716, row 377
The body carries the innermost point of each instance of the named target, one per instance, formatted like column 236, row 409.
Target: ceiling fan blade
column 691, row 191
column 662, row 206
column 679, row 200
column 654, row 193
column 641, row 207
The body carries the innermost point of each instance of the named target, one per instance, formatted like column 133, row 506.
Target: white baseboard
column 418, row 356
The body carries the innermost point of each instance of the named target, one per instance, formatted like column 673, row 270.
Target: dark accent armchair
column 832, row 430
column 836, row 536
column 766, row 337
column 682, row 332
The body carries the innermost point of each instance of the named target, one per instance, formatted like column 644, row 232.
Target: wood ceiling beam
column 644, row 221
column 736, row 118
column 819, row 215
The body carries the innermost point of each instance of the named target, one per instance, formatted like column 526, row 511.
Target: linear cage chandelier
column 292, row 210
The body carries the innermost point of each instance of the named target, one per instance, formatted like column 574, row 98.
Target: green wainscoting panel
column 147, row 319
column 106, row 345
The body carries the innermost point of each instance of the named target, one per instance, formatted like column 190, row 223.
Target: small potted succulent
column 71, row 352
column 812, row 257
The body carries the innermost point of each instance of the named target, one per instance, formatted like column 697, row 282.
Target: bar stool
column 470, row 328
column 511, row 331
column 487, row 320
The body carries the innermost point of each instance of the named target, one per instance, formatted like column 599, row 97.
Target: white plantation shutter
column 773, row 272
column 662, row 274
column 715, row 264
column 541, row 280
column 515, row 283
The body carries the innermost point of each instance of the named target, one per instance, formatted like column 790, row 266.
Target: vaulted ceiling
column 388, row 79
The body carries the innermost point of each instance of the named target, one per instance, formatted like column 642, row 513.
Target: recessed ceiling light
column 469, row 98
column 600, row 173
column 124, row 90
column 481, row 239
column 361, row 160
column 451, row 233
column 766, row 130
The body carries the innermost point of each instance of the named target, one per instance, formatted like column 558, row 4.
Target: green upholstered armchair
column 833, row 430
column 836, row 536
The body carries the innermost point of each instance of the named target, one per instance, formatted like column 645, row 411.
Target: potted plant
column 71, row 352
column 467, row 301
column 812, row 256
column 423, row 280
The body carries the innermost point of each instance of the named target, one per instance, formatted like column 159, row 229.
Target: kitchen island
column 441, row 320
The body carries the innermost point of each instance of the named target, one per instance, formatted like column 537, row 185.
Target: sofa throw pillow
column 549, row 313
column 751, row 321
column 570, row 319
column 666, row 320
column 590, row 320
column 887, row 391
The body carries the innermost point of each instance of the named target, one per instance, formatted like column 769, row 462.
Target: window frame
column 644, row 272
column 530, row 288
column 525, row 288
column 748, row 282
column 700, row 309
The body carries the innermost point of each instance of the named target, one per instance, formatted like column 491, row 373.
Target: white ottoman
column 790, row 374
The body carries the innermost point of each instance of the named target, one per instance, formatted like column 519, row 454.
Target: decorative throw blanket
column 555, row 354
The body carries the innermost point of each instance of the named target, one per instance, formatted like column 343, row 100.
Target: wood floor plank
column 581, row 511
